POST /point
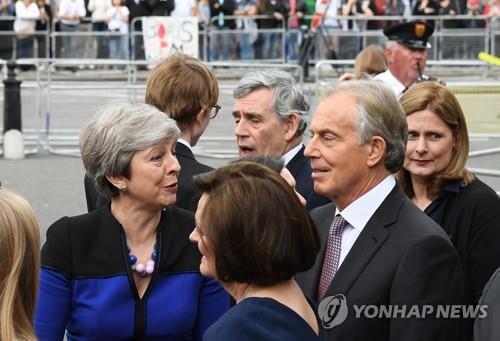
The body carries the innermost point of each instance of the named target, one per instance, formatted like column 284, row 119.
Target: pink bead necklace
column 143, row 269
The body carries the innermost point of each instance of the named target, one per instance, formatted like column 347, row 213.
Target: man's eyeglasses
column 214, row 110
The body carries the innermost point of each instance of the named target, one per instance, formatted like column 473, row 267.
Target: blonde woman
column 19, row 266
column 370, row 61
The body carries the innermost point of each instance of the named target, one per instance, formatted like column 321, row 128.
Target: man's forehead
column 411, row 49
column 337, row 107
column 254, row 112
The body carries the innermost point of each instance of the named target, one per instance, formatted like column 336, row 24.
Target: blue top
column 87, row 287
column 258, row 318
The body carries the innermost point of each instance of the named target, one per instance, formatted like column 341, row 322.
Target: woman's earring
column 123, row 188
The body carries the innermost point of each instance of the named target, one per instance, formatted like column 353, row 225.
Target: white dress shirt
column 99, row 9
column 71, row 8
column 359, row 212
column 26, row 17
column 289, row 155
column 388, row 78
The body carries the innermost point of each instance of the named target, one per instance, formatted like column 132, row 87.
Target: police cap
column 413, row 34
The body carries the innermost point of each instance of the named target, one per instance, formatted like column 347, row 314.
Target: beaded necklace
column 143, row 269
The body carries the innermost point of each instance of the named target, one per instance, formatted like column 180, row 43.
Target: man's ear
column 200, row 115
column 388, row 53
column 378, row 148
column 291, row 126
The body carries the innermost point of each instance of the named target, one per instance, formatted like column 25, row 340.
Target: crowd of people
column 258, row 24
column 290, row 241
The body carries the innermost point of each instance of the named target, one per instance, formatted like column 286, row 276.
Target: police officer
column 406, row 54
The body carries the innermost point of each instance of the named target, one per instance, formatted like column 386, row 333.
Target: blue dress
column 88, row 290
column 258, row 318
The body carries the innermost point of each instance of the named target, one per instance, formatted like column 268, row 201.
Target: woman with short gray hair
column 108, row 274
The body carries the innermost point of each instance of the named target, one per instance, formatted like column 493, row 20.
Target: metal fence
column 458, row 37
column 59, row 106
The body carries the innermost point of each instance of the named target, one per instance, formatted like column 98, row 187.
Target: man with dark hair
column 377, row 248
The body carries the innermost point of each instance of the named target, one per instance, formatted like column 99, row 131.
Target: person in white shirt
column 326, row 13
column 27, row 13
column 70, row 12
column 184, row 8
column 117, row 19
column 98, row 9
column 406, row 54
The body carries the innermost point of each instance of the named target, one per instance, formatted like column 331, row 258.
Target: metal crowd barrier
column 57, row 130
column 58, row 124
column 470, row 35
column 9, row 40
column 455, row 38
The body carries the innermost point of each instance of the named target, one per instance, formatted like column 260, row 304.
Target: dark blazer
column 94, row 199
column 487, row 328
column 187, row 193
column 471, row 217
column 87, row 286
column 300, row 168
column 401, row 257
column 260, row 318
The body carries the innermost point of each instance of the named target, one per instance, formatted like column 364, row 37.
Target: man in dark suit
column 269, row 112
column 185, row 89
column 380, row 250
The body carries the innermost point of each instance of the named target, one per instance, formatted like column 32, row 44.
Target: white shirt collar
column 388, row 78
column 359, row 212
column 184, row 142
column 288, row 156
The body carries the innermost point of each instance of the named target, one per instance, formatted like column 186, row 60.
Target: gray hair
column 287, row 98
column 379, row 114
column 390, row 44
column 275, row 163
column 115, row 133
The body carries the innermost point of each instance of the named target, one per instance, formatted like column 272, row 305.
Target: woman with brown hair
column 436, row 180
column 19, row 266
column 370, row 61
column 255, row 235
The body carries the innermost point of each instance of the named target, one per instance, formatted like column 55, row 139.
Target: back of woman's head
column 260, row 232
column 19, row 267
column 370, row 61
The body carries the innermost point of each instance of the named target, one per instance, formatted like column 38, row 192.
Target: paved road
column 53, row 184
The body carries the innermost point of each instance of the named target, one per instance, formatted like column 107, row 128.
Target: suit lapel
column 369, row 241
column 309, row 281
column 184, row 151
column 296, row 162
